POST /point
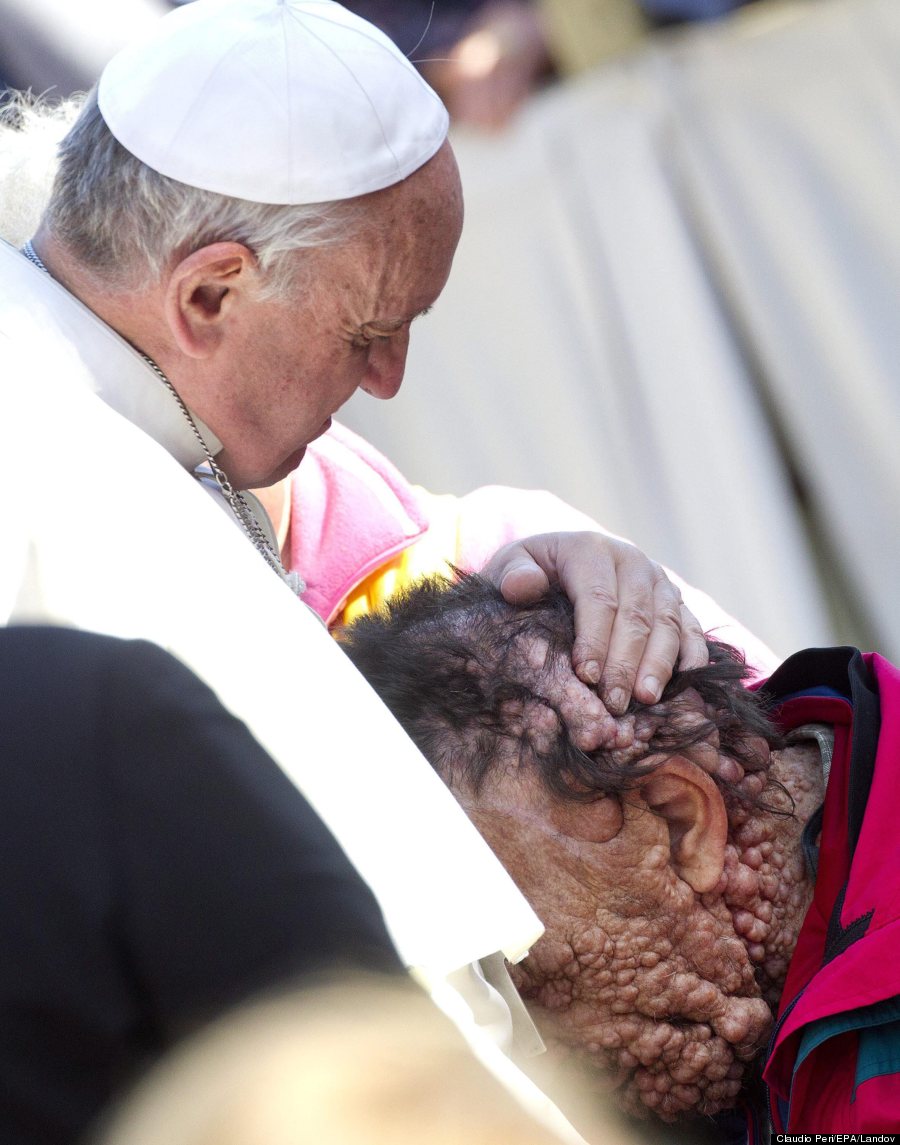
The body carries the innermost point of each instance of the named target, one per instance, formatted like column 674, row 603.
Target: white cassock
column 107, row 530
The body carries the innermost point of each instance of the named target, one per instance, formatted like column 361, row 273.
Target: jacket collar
column 351, row 512
column 35, row 306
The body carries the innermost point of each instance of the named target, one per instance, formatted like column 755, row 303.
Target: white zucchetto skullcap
column 276, row 101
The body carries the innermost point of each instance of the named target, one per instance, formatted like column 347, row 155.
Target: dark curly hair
column 447, row 658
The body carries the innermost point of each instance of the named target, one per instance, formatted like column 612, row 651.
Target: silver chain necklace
column 235, row 498
column 32, row 255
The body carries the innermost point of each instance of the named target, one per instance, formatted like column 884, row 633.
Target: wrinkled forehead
column 406, row 236
column 425, row 208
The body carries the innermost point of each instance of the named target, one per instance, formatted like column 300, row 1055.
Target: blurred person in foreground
column 158, row 868
column 357, row 1061
column 727, row 857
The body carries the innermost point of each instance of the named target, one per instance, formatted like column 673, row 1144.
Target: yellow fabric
column 585, row 33
column 432, row 553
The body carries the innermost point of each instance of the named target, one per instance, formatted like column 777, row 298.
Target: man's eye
column 363, row 341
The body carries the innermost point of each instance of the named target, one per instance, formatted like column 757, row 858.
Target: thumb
column 523, row 581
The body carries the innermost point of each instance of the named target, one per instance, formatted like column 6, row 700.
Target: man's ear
column 203, row 292
column 689, row 800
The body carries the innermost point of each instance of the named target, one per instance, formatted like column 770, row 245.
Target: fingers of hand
column 694, row 649
column 630, row 624
column 663, row 646
column 615, row 607
column 595, row 615
column 645, row 637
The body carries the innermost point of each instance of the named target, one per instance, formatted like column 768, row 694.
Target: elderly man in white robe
column 248, row 216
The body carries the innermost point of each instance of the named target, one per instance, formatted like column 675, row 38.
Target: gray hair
column 125, row 223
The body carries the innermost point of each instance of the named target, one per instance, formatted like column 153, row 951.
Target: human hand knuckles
column 630, row 622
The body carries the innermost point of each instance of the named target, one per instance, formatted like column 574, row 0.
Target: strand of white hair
column 30, row 132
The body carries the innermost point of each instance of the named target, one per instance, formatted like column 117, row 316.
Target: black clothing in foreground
column 156, row 867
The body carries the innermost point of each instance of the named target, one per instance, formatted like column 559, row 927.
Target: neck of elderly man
column 265, row 364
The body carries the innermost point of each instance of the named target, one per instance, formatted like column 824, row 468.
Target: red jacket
column 834, row 1061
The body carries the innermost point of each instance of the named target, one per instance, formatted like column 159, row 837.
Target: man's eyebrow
column 392, row 325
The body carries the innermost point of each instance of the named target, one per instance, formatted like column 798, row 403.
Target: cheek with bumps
column 666, row 1011
column 637, row 981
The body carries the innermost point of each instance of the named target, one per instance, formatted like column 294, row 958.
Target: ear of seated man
column 666, row 866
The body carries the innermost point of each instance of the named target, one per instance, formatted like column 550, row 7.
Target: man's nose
column 386, row 366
